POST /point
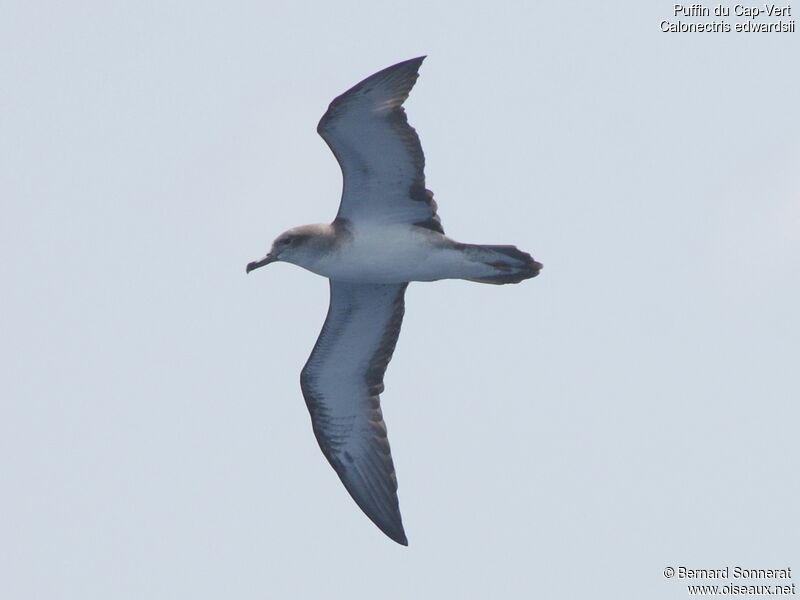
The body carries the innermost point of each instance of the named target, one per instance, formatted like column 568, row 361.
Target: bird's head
column 290, row 246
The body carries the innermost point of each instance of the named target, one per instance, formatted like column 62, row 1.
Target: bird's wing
column 379, row 152
column 341, row 383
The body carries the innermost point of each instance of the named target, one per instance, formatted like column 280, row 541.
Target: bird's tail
column 501, row 264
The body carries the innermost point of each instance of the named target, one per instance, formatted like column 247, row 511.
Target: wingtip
column 391, row 528
column 417, row 61
column 410, row 64
column 397, row 79
column 397, row 536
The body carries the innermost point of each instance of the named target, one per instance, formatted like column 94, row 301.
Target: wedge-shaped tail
column 501, row 264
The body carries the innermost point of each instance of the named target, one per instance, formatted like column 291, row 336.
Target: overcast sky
column 634, row 407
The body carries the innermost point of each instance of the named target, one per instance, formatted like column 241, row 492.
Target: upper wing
column 341, row 382
column 379, row 152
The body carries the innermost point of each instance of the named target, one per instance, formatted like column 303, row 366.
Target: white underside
column 395, row 254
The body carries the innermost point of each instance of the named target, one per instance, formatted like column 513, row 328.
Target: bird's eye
column 286, row 241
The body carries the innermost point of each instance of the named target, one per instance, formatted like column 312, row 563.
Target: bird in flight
column 385, row 235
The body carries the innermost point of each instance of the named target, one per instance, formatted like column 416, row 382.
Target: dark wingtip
column 412, row 62
column 409, row 61
column 397, row 536
column 402, row 75
column 391, row 527
column 408, row 66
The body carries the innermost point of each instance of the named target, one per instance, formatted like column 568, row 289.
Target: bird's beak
column 260, row 263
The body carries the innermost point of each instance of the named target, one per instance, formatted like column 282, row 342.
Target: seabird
column 385, row 235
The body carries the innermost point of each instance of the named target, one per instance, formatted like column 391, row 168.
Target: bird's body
column 396, row 253
column 386, row 234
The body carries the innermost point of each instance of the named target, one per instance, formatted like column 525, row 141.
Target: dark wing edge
column 400, row 78
column 369, row 476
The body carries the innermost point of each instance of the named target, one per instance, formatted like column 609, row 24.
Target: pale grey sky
column 632, row 408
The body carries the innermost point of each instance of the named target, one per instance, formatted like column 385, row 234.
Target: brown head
column 299, row 246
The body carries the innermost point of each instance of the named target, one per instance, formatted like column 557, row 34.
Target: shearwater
column 385, row 235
